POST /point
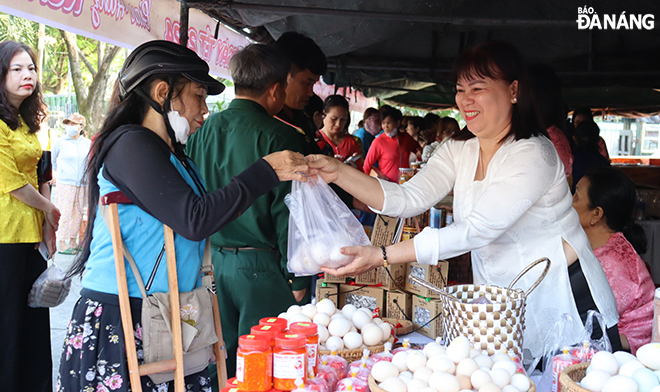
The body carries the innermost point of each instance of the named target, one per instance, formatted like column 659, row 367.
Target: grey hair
column 256, row 68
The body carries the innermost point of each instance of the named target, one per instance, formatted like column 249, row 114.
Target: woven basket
column 490, row 327
column 356, row 353
column 406, row 326
column 373, row 385
column 570, row 376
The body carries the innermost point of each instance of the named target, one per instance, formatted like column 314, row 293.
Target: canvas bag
column 197, row 328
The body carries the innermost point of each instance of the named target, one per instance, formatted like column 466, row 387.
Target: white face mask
column 71, row 130
column 180, row 126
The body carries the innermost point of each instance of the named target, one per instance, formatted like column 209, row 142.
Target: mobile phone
column 352, row 159
column 43, row 249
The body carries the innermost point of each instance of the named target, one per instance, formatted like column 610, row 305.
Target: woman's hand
column 325, row 166
column 53, row 217
column 50, row 238
column 366, row 259
column 288, row 165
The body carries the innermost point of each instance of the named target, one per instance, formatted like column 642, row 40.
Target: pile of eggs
column 624, row 372
column 309, row 258
column 455, row 368
column 345, row 328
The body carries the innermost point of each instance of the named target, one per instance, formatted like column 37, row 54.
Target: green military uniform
column 252, row 283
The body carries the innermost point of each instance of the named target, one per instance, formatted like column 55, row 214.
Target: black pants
column 585, row 303
column 25, row 357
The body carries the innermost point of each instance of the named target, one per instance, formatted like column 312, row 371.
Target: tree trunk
column 41, row 46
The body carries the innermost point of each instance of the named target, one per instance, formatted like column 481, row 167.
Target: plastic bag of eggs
column 624, row 372
column 309, row 256
column 346, row 328
column 455, row 368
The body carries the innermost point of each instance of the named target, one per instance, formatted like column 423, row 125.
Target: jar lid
column 280, row 322
column 254, row 342
column 232, row 383
column 304, row 328
column 267, row 331
column 290, row 341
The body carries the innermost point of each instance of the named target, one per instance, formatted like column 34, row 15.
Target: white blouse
column 517, row 214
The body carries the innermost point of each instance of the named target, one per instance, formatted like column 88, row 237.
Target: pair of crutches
column 175, row 364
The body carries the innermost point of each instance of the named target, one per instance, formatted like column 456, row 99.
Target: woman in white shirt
column 512, row 204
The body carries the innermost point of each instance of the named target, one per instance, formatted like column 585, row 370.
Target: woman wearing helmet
column 137, row 159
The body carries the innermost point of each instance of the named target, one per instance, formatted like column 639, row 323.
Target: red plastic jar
column 254, row 364
column 289, row 361
column 269, row 332
column 311, row 333
column 232, row 383
column 281, row 323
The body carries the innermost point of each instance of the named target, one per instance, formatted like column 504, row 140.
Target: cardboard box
column 362, row 297
column 427, row 316
column 399, row 305
column 380, row 276
column 327, row 290
column 386, row 231
column 334, row 279
column 430, row 274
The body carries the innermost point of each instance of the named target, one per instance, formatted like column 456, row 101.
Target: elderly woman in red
column 605, row 199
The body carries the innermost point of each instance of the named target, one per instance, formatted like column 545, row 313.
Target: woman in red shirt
column 391, row 150
column 332, row 138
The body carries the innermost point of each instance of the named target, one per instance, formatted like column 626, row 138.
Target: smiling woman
column 512, row 203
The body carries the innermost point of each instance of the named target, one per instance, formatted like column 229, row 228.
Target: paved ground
column 59, row 316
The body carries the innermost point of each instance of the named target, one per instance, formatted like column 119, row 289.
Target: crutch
column 175, row 364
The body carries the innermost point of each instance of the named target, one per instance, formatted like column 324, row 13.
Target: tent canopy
column 402, row 51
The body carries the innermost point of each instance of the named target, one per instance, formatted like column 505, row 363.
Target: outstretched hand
column 325, row 166
column 366, row 259
column 288, row 165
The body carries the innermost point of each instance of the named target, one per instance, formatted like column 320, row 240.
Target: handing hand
column 288, row 165
column 325, row 166
column 366, row 259
column 53, row 217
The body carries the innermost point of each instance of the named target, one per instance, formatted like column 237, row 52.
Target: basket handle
column 432, row 287
column 538, row 281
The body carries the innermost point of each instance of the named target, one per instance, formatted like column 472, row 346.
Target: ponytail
column 636, row 235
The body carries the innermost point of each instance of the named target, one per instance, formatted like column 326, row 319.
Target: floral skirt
column 94, row 355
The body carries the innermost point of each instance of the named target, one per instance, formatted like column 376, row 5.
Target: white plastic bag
column 320, row 224
column 50, row 289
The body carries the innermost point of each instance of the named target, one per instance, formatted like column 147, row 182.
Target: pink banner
column 128, row 23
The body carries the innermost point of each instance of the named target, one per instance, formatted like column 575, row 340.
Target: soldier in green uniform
column 249, row 254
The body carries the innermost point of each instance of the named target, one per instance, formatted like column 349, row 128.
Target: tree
column 91, row 100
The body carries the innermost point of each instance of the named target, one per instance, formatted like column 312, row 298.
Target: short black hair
column 256, row 68
column 388, row 111
column 302, row 52
column 314, row 105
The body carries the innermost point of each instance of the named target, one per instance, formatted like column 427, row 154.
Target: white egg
column 483, row 361
column 428, row 389
column 416, row 385
column 623, row 357
column 383, row 370
column 352, row 340
column 501, row 377
column 348, row 311
column 649, row 355
column 509, row 366
column 326, row 306
column 464, row 382
column 339, row 327
column 645, row 379
column 393, row 384
column 377, row 320
column 353, row 329
column 423, row 373
column 458, row 349
column 490, row 387
column 372, row 336
column 436, row 350
column 321, row 319
column 360, row 319
column 367, row 311
column 441, row 363
column 338, row 316
column 338, row 259
column 387, row 330
column 400, row 360
column 655, row 389
column 628, row 368
column 293, row 309
column 368, row 326
column 520, row 381
column 323, row 333
column 427, row 346
column 299, row 318
column 620, row 383
column 605, row 361
column 416, row 359
column 334, row 343
column 444, row 382
column 479, row 378
column 511, row 388
column 319, row 253
column 466, row 367
column 406, row 374
column 474, row 352
column 309, row 310
column 500, row 356
column 283, row 316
